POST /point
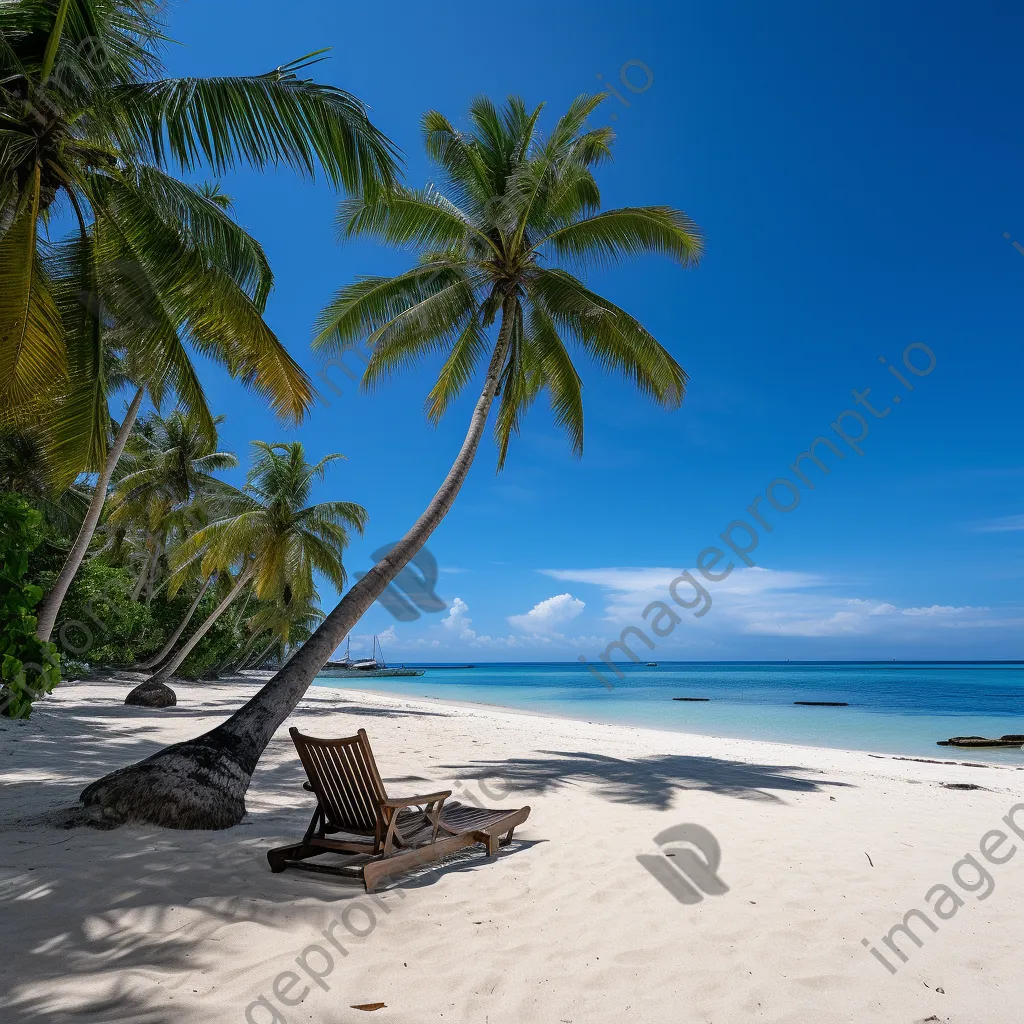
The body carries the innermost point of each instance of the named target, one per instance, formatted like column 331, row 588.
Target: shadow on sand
column 649, row 781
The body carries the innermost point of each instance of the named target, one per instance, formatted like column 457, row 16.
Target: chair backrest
column 344, row 777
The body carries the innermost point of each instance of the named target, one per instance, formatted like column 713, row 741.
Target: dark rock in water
column 152, row 695
column 1013, row 738
column 691, row 698
column 981, row 741
column 960, row 785
column 823, row 703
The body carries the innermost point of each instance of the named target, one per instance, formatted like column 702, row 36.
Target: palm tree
column 166, row 488
column 287, row 624
column 175, row 636
column 274, row 536
column 485, row 293
column 166, row 485
column 89, row 125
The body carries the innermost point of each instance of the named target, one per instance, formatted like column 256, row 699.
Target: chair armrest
column 431, row 804
column 416, row 801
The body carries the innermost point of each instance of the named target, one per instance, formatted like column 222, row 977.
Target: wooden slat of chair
column 393, row 837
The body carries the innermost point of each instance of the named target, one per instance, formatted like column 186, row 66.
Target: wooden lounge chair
column 386, row 837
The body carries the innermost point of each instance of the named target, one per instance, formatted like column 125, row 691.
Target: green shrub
column 99, row 623
column 29, row 668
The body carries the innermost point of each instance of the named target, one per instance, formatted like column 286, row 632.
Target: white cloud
column 456, row 614
column 1003, row 524
column 545, row 617
column 457, row 620
column 770, row 602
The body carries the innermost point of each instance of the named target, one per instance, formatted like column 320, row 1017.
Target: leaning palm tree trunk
column 51, row 603
column 202, row 783
column 167, row 669
column 175, row 636
column 240, row 661
column 140, row 583
column 262, row 656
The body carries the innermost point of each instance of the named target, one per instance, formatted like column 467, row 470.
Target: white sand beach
column 819, row 850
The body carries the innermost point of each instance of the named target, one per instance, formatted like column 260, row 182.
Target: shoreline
column 718, row 737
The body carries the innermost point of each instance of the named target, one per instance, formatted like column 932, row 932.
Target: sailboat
column 372, row 666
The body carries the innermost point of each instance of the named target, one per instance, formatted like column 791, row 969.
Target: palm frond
column 560, row 377
column 31, row 334
column 609, row 237
column 615, row 339
column 262, row 120
column 465, row 356
column 403, row 216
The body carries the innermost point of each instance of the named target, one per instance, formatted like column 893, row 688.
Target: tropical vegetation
column 94, row 137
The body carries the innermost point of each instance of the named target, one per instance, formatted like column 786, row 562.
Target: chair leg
column 507, row 838
column 280, row 858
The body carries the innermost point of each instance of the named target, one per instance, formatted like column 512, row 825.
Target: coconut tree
column 166, row 485
column 488, row 295
column 92, row 132
column 278, row 625
column 175, row 636
column 273, row 536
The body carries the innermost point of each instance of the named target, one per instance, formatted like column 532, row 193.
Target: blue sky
column 854, row 170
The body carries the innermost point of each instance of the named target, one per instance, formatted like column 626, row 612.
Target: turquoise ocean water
column 895, row 707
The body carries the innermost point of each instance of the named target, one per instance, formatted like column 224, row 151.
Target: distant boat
column 372, row 667
column 652, row 664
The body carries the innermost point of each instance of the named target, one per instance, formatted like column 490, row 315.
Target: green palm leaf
column 32, row 351
column 610, row 237
column 264, row 120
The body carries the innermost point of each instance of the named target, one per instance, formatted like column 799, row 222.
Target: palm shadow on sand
column 649, row 781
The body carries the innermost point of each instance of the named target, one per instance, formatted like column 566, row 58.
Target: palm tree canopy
column 293, row 622
column 273, row 528
column 165, row 489
column 511, row 204
column 169, row 461
column 92, row 131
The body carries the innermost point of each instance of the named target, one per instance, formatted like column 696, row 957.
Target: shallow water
column 895, row 707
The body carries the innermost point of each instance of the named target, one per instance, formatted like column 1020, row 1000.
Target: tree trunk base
column 152, row 695
column 200, row 784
